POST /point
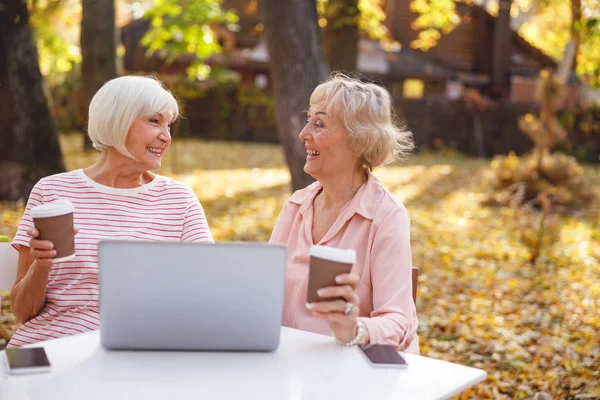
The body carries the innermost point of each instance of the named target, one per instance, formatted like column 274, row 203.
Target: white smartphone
column 27, row 360
column 383, row 356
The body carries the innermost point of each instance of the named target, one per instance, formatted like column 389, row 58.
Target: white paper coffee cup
column 325, row 264
column 54, row 221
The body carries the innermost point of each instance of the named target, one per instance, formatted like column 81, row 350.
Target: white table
column 306, row 366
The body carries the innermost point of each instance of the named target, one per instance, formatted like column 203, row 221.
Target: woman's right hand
column 42, row 251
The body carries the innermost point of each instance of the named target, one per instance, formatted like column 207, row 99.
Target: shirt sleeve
column 195, row 225
column 36, row 198
column 394, row 317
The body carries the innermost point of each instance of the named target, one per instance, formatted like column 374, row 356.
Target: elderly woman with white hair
column 350, row 130
column 119, row 197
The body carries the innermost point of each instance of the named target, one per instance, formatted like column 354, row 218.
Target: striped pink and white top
column 162, row 210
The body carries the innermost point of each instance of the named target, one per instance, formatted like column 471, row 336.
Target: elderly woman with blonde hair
column 119, row 197
column 350, row 130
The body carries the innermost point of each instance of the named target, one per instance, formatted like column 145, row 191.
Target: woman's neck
column 339, row 191
column 116, row 170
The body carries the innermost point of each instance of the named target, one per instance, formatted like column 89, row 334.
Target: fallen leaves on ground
column 534, row 329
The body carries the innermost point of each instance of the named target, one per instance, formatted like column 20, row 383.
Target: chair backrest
column 415, row 281
column 8, row 265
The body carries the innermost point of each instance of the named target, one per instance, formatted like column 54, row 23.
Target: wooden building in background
column 464, row 54
column 461, row 59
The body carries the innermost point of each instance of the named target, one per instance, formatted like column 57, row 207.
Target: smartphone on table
column 27, row 360
column 383, row 356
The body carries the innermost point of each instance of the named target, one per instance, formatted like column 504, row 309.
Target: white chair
column 8, row 267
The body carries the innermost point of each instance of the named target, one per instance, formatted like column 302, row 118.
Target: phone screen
column 383, row 354
column 19, row 358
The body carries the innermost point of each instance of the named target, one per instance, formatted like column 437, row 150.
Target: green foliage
column 57, row 55
column 548, row 29
column 585, row 123
column 187, row 87
column 338, row 13
column 371, row 16
column 589, row 52
column 56, row 25
column 185, row 29
column 67, row 100
column 257, row 104
column 436, row 17
column 547, row 26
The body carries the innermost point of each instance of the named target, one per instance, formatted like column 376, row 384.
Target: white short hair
column 365, row 110
column 121, row 101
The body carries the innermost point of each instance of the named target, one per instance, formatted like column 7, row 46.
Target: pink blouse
column 376, row 225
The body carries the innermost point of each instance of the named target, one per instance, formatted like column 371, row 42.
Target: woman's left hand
column 342, row 325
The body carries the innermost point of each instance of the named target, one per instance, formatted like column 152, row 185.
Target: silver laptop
column 191, row 296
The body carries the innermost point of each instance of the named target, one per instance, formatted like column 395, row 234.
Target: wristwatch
column 360, row 333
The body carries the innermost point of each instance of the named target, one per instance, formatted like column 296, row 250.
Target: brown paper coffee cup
column 325, row 264
column 55, row 222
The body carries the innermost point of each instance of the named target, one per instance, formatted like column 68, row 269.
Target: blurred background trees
column 214, row 56
column 297, row 66
column 98, row 43
column 30, row 148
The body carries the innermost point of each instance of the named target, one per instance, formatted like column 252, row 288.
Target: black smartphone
column 383, row 355
column 27, row 360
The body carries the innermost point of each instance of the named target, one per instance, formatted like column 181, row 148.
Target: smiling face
column 328, row 154
column 148, row 138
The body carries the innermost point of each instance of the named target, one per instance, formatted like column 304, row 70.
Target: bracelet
column 360, row 331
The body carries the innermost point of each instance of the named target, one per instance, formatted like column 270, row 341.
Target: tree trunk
column 502, row 46
column 98, row 48
column 297, row 66
column 30, row 149
column 340, row 40
column 576, row 18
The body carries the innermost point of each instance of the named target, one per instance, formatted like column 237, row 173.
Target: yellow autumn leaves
column 535, row 329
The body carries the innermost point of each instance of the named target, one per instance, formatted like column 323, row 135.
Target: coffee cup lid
column 52, row 209
column 347, row 256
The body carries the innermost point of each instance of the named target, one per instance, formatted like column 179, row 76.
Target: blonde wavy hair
column 365, row 110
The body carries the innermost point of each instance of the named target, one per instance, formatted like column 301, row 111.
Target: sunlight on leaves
column 481, row 303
